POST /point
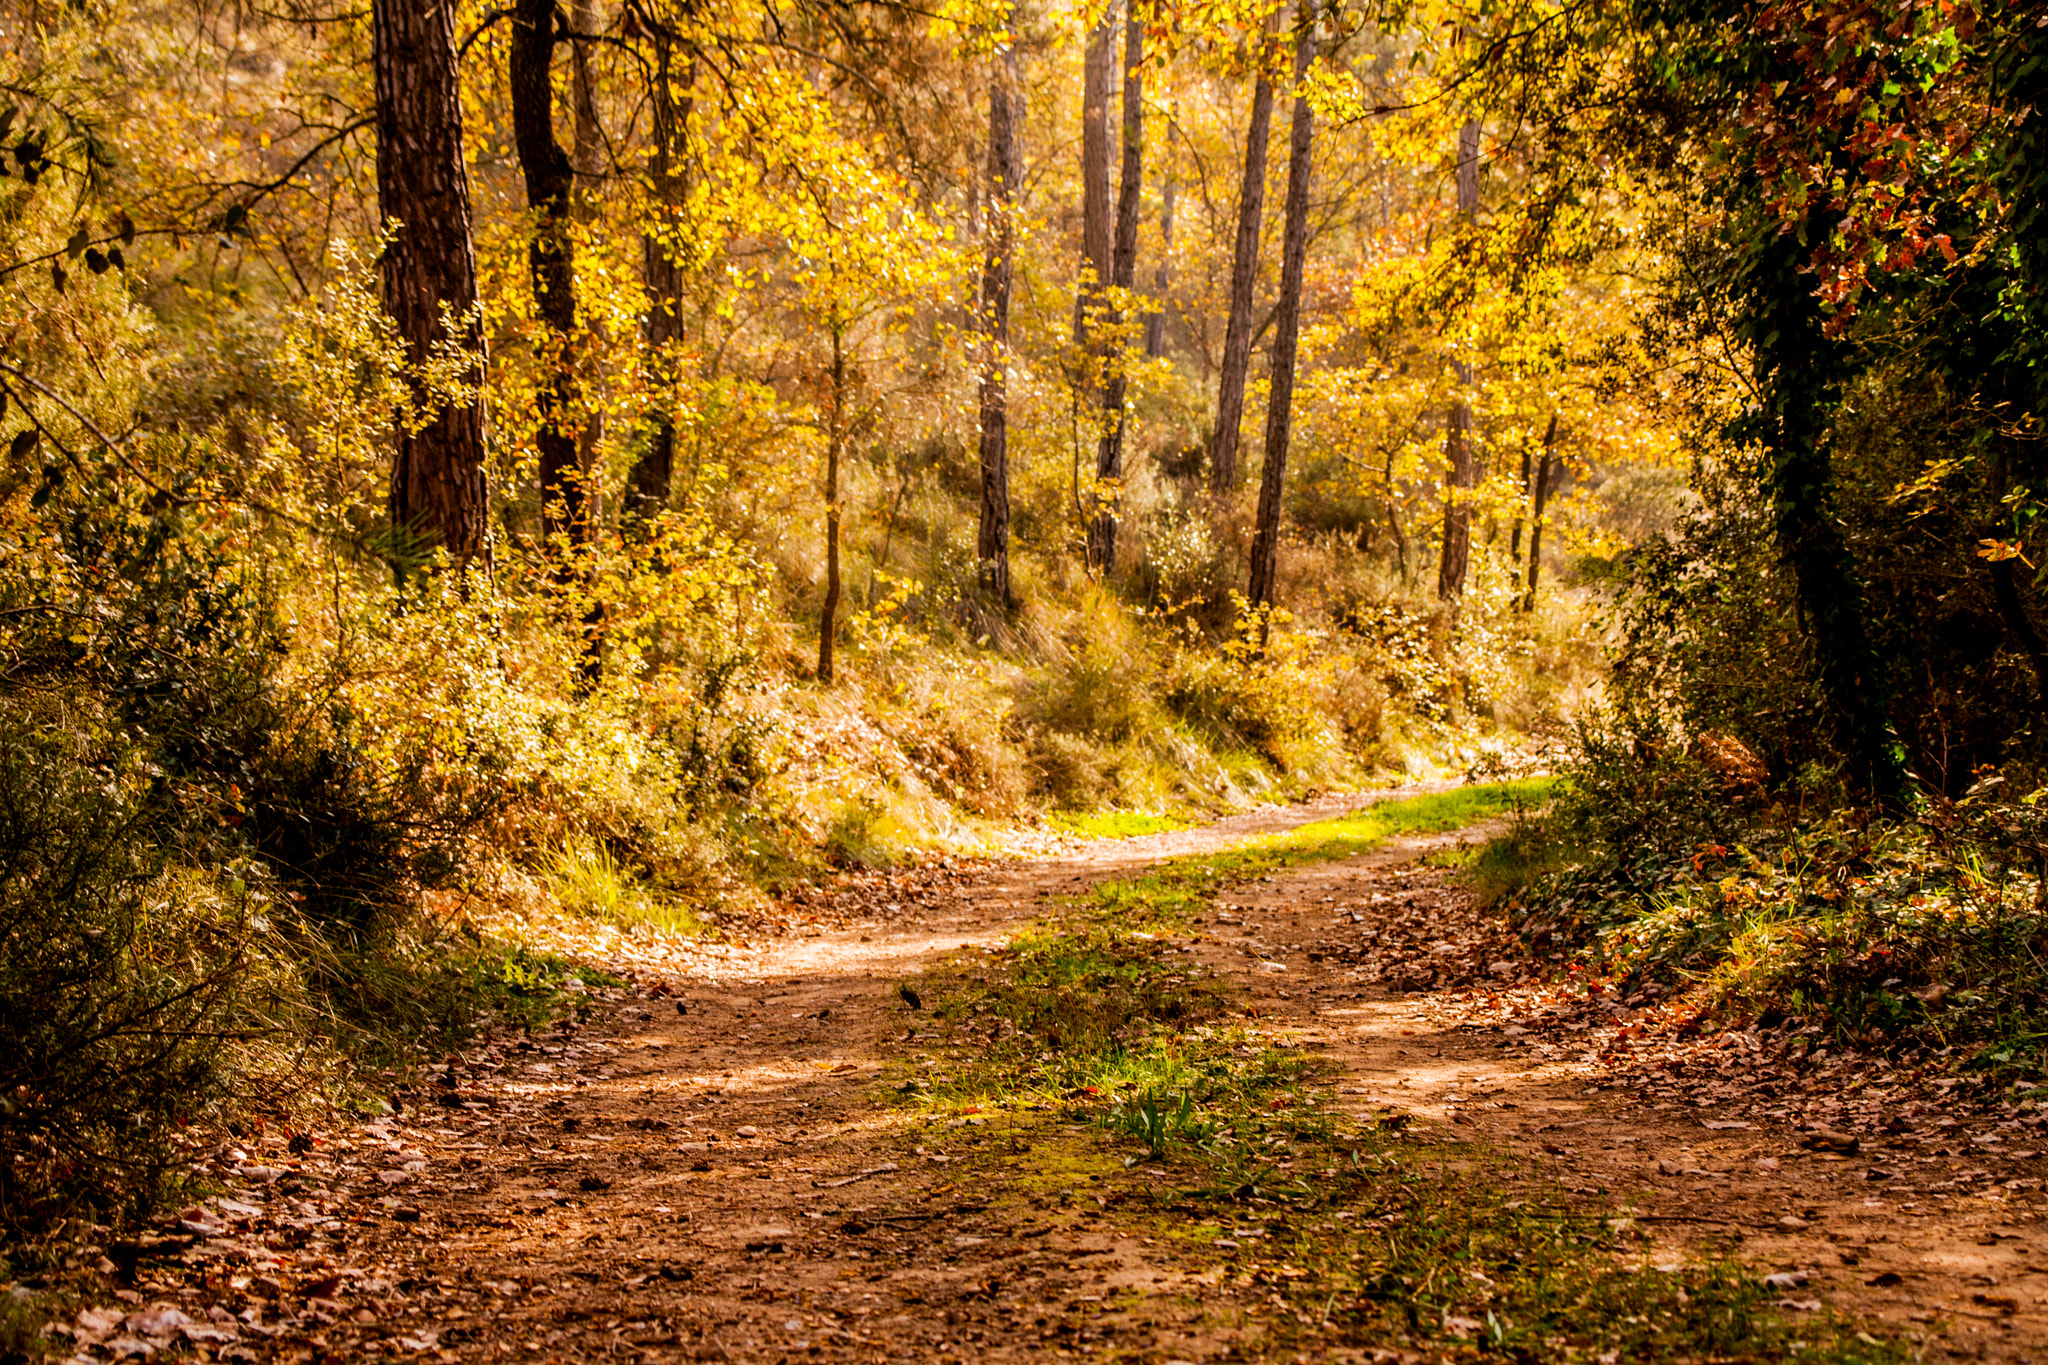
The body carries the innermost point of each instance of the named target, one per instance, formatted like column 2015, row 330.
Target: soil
column 711, row 1167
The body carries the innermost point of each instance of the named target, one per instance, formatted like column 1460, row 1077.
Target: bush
column 125, row 979
column 1265, row 695
column 208, row 875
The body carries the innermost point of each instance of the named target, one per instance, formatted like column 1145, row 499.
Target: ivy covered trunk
column 1799, row 371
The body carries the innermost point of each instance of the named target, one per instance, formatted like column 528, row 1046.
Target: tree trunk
column 1286, row 332
column 1539, row 497
column 586, row 162
column 1109, row 458
column 1528, row 490
column 835, row 442
column 653, row 473
column 992, row 545
column 550, row 180
column 438, row 492
column 1162, row 277
column 1459, row 470
column 1798, row 370
column 1095, row 221
column 1244, row 273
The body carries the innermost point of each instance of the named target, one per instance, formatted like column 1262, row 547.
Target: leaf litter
column 702, row 1166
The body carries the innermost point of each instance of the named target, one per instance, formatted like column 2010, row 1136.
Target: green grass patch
column 1166, row 898
column 586, row 879
column 1055, row 1014
column 1112, row 824
column 1380, row 1241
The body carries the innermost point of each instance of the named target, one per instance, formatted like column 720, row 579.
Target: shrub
column 125, row 979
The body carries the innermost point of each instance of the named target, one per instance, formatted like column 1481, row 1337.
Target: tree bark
column 1162, row 276
column 1095, row 219
column 550, row 181
column 1286, row 332
column 1244, row 273
column 648, row 485
column 586, row 162
column 1799, row 371
column 1109, row 457
column 835, row 444
column 438, row 492
column 1459, row 474
column 1539, row 497
column 1528, row 491
column 992, row 545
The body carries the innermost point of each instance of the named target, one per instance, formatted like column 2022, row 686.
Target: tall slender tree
column 587, row 165
column 1096, row 69
column 1286, row 325
column 1459, row 469
column 1539, row 498
column 668, row 170
column 438, row 491
column 1162, row 273
column 1109, row 459
column 550, row 183
column 835, row 452
column 992, row 544
column 1244, row 273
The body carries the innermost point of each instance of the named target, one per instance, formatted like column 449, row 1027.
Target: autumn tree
column 992, row 542
column 1265, row 554
column 1244, row 274
column 1460, row 471
column 670, row 106
column 550, row 178
column 1109, row 464
column 438, row 490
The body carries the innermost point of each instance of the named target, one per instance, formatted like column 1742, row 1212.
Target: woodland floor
column 720, row 1164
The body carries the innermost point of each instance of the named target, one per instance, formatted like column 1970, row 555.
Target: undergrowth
column 1922, row 936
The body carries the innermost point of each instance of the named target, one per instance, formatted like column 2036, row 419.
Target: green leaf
column 24, row 444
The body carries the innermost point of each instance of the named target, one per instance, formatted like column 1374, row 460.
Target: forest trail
column 718, row 1164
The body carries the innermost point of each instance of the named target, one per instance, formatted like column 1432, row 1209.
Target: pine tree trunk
column 835, row 444
column 1109, row 457
column 653, row 473
column 1459, row 475
column 992, row 545
column 438, row 498
column 550, row 181
column 1286, row 332
column 1244, row 273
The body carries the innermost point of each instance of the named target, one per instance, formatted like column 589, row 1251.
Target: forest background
column 464, row 461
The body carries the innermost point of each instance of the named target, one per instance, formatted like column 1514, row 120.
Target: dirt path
column 709, row 1168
